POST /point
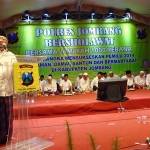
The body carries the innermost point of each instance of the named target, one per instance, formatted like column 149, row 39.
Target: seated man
column 148, row 80
column 42, row 81
column 77, row 82
column 112, row 76
column 66, row 85
column 58, row 83
column 49, row 86
column 84, row 83
column 104, row 75
column 130, row 80
column 94, row 83
column 140, row 81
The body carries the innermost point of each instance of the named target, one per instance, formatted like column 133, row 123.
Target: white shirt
column 114, row 77
column 42, row 85
column 94, row 82
column 65, row 85
column 84, row 84
column 7, row 59
column 50, row 86
column 77, row 82
column 140, row 80
column 148, row 80
column 130, row 80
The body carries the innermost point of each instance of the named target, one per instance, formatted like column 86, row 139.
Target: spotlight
column 127, row 14
column 45, row 15
column 110, row 14
column 65, row 13
column 141, row 33
column 12, row 37
column 92, row 14
column 27, row 16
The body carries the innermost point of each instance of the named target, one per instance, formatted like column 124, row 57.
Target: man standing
column 7, row 59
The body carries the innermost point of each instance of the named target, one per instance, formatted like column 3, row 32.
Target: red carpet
column 85, row 104
column 87, row 116
column 104, row 128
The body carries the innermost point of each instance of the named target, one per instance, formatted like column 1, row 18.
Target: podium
column 26, row 86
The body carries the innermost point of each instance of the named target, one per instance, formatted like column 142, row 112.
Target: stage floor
column 86, row 116
column 45, row 106
column 131, row 129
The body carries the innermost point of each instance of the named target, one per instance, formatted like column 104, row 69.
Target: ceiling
column 12, row 7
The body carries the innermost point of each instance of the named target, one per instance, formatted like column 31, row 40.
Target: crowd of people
column 49, row 85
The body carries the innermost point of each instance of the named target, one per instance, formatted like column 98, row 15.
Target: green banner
column 75, row 47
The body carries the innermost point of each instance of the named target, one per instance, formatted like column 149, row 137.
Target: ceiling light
column 45, row 15
column 26, row 16
column 127, row 14
column 110, row 14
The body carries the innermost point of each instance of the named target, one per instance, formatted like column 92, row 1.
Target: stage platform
column 86, row 116
column 131, row 128
column 45, row 106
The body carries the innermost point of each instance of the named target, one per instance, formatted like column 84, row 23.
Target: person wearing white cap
column 112, row 76
column 140, row 81
column 84, row 83
column 7, row 59
column 50, row 86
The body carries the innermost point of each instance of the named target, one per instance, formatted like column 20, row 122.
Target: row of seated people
column 83, row 84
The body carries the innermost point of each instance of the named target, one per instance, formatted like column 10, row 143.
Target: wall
column 82, row 46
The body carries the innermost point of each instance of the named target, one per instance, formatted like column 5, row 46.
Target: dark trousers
column 6, row 118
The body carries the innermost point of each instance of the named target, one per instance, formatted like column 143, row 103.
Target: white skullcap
column 141, row 72
column 110, row 72
column 85, row 74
